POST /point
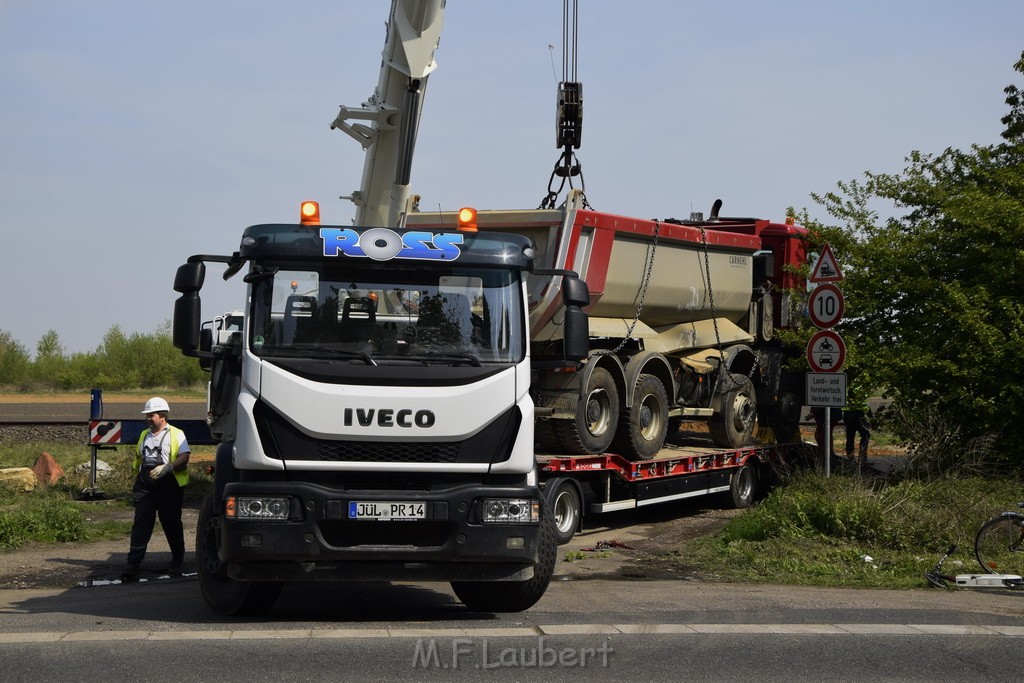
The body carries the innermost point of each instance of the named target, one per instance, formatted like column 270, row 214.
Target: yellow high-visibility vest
column 177, row 436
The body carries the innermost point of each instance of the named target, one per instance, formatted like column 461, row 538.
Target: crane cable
column 569, row 118
column 569, row 40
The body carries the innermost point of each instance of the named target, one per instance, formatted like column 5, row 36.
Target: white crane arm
column 392, row 114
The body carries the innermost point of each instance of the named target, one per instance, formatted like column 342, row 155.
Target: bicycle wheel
column 999, row 545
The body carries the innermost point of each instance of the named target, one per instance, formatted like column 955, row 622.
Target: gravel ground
column 610, row 547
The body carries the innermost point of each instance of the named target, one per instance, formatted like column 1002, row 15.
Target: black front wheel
column 515, row 596
column 999, row 545
column 223, row 594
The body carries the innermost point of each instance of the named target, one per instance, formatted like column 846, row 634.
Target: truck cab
column 376, row 416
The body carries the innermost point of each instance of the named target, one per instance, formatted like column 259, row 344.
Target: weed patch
column 849, row 531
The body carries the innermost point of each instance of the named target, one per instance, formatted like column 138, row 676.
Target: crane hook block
column 569, row 119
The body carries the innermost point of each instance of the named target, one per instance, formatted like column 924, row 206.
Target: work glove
column 159, row 471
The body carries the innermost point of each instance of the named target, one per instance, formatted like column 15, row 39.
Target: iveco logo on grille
column 387, row 417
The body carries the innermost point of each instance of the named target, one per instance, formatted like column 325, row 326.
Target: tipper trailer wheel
column 515, row 596
column 644, row 424
column 597, row 414
column 733, row 425
column 784, row 416
column 545, row 436
column 223, row 594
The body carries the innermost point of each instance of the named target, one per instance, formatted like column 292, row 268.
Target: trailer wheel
column 515, row 596
column 223, row 594
column 743, row 487
column 567, row 508
column 644, row 426
column 545, row 436
column 733, row 425
column 597, row 413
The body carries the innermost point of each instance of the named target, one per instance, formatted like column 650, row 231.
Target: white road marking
column 520, row 632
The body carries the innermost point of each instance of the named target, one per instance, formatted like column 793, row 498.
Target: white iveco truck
column 374, row 413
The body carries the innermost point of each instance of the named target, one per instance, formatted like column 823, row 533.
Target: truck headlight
column 258, row 507
column 510, row 511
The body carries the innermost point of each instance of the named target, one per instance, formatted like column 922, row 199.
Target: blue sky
column 134, row 134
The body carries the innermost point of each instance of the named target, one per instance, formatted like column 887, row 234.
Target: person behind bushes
column 855, row 417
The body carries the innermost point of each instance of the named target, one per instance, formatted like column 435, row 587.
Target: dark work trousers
column 856, row 423
column 162, row 498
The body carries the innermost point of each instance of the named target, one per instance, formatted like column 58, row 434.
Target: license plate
column 385, row 510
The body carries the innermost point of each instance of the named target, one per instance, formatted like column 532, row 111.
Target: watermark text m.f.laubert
column 481, row 653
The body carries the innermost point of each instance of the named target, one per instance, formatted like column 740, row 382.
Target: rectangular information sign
column 826, row 389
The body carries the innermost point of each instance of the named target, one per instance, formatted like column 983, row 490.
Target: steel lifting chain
column 648, row 270
column 714, row 318
column 564, row 169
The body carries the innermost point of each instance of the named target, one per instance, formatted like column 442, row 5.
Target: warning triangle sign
column 827, row 268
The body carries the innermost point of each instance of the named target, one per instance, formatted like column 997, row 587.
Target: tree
column 13, row 360
column 50, row 362
column 933, row 293
column 49, row 346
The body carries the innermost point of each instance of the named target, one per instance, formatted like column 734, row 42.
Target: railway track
column 44, row 431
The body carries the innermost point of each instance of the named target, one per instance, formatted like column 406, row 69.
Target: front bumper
column 320, row 543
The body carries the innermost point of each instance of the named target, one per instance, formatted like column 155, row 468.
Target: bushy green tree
column 50, row 361
column 934, row 291
column 145, row 360
column 136, row 361
column 14, row 360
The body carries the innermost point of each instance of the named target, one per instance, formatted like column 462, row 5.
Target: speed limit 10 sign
column 825, row 306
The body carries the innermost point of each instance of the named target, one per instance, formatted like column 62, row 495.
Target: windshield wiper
column 347, row 353
column 451, row 356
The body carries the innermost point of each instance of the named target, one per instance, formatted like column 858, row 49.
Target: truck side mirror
column 188, row 307
column 190, row 277
column 187, row 322
column 764, row 266
column 576, row 330
column 575, row 292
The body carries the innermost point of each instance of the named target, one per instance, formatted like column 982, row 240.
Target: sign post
column 826, row 351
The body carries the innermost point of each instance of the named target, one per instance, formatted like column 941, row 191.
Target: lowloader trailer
column 686, row 468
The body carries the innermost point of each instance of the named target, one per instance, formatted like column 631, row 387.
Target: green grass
column 811, row 530
column 849, row 531
column 50, row 514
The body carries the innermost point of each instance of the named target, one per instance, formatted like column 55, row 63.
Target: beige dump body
column 614, row 254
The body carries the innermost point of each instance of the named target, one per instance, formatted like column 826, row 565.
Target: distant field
column 108, row 396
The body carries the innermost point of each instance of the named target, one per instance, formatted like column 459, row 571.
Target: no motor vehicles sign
column 826, row 351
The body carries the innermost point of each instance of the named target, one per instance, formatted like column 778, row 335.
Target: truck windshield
column 444, row 315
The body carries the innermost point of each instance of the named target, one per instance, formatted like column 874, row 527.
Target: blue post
column 95, row 413
column 96, row 405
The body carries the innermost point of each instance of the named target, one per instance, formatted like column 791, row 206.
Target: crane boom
column 386, row 125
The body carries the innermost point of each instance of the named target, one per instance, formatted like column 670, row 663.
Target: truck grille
column 418, row 534
column 383, row 451
column 283, row 440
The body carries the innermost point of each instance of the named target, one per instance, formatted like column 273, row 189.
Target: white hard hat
column 155, row 405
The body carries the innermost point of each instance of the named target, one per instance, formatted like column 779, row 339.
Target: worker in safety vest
column 161, row 461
